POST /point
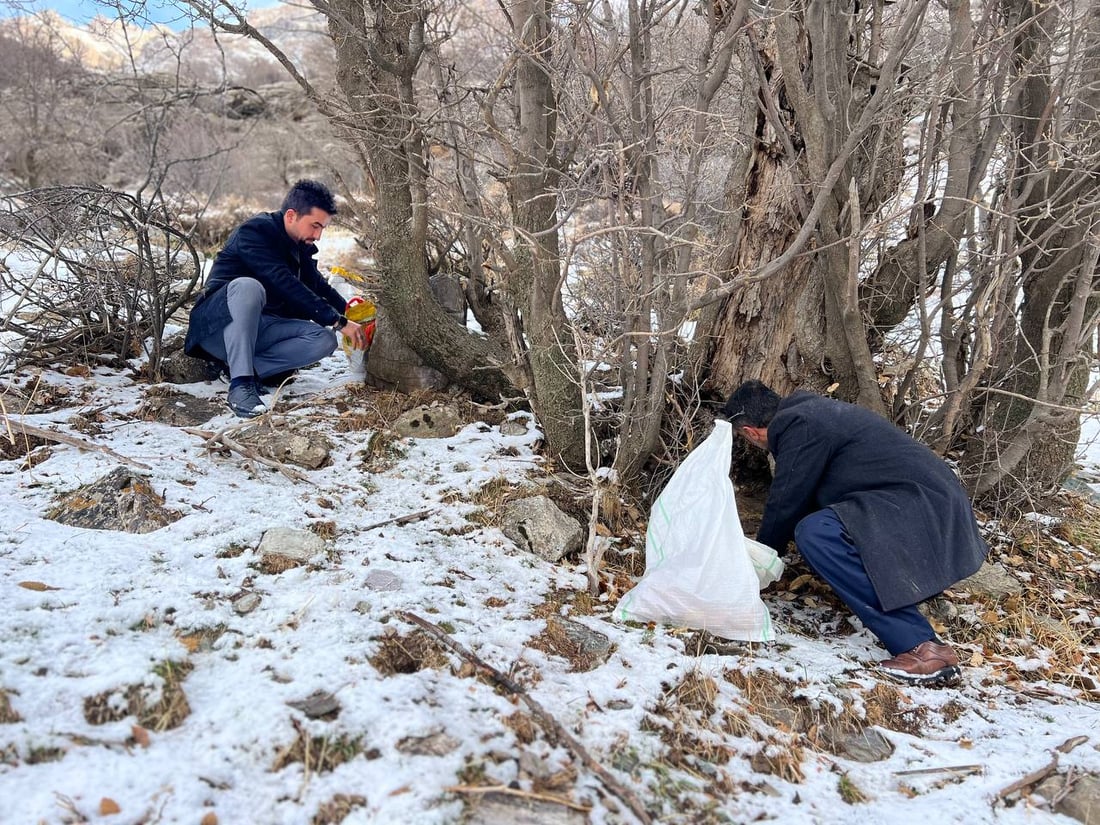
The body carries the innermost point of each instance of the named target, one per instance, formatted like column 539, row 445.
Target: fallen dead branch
column 223, row 440
column 552, row 726
column 1035, row 777
column 63, row 438
column 961, row 770
column 504, row 789
column 408, row 518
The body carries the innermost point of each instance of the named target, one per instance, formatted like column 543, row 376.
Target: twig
column 504, row 789
column 62, row 438
column 408, row 518
column 959, row 769
column 553, row 727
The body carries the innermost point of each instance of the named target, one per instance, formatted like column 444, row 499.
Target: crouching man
column 875, row 513
column 266, row 309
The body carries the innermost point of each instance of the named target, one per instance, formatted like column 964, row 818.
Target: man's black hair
column 309, row 194
column 753, row 404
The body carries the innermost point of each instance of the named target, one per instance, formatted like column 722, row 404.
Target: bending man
column 266, row 309
column 874, row 512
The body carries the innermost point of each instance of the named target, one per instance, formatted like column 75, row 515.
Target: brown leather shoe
column 929, row 664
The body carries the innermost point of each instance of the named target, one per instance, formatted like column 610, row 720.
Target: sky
column 81, row 11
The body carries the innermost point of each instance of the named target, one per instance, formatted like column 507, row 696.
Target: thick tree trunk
column 1027, row 444
column 378, row 47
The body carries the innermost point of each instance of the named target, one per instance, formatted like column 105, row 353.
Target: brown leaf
column 108, row 806
column 209, row 818
column 38, row 586
column 140, row 734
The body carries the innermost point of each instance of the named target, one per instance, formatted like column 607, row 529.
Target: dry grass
column 491, row 497
column 156, row 710
column 410, row 653
column 320, row 754
column 8, row 714
column 337, row 809
column 557, row 641
column 558, row 602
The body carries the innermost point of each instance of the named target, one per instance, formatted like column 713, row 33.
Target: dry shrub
column 273, row 564
column 168, row 710
column 8, row 714
column 336, row 810
column 770, row 697
column 410, row 653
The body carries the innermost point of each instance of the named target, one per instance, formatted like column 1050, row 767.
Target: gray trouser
column 255, row 343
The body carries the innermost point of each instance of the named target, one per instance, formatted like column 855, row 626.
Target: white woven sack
column 700, row 570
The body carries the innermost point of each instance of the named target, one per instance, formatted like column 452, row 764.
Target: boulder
column 437, row 421
column 121, row 500
column 537, row 525
column 282, row 548
column 991, row 580
column 297, row 445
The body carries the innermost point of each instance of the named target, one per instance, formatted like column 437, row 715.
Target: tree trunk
column 378, row 47
column 1027, row 444
column 536, row 282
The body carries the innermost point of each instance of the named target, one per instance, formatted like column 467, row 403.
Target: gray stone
column 284, row 547
column 298, row 446
column 502, row 809
column 537, row 525
column 245, row 603
column 1081, row 800
column 428, row 422
column 178, row 409
column 183, row 369
column 121, row 500
column 513, row 427
column 434, row 744
column 318, row 705
column 991, row 580
column 590, row 643
column 382, row 580
column 867, row 745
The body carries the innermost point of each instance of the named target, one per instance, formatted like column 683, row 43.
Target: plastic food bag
column 700, row 569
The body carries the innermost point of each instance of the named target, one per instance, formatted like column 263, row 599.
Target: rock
column 282, row 548
column 434, row 744
column 121, row 500
column 382, row 580
column 183, row 369
column 298, row 446
column 502, row 809
column 428, row 422
column 513, row 427
column 245, row 603
column 588, row 648
column 537, row 525
column 179, row 409
column 867, row 745
column 318, row 705
column 991, row 580
column 1082, row 801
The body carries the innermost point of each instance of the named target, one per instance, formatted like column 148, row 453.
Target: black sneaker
column 244, row 401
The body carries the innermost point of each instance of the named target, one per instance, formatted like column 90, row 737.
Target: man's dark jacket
column 900, row 503
column 260, row 248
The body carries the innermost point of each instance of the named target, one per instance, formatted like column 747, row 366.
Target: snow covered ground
column 121, row 611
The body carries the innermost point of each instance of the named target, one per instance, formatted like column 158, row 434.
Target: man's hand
column 356, row 334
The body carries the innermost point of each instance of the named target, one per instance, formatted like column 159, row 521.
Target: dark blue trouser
column 828, row 549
